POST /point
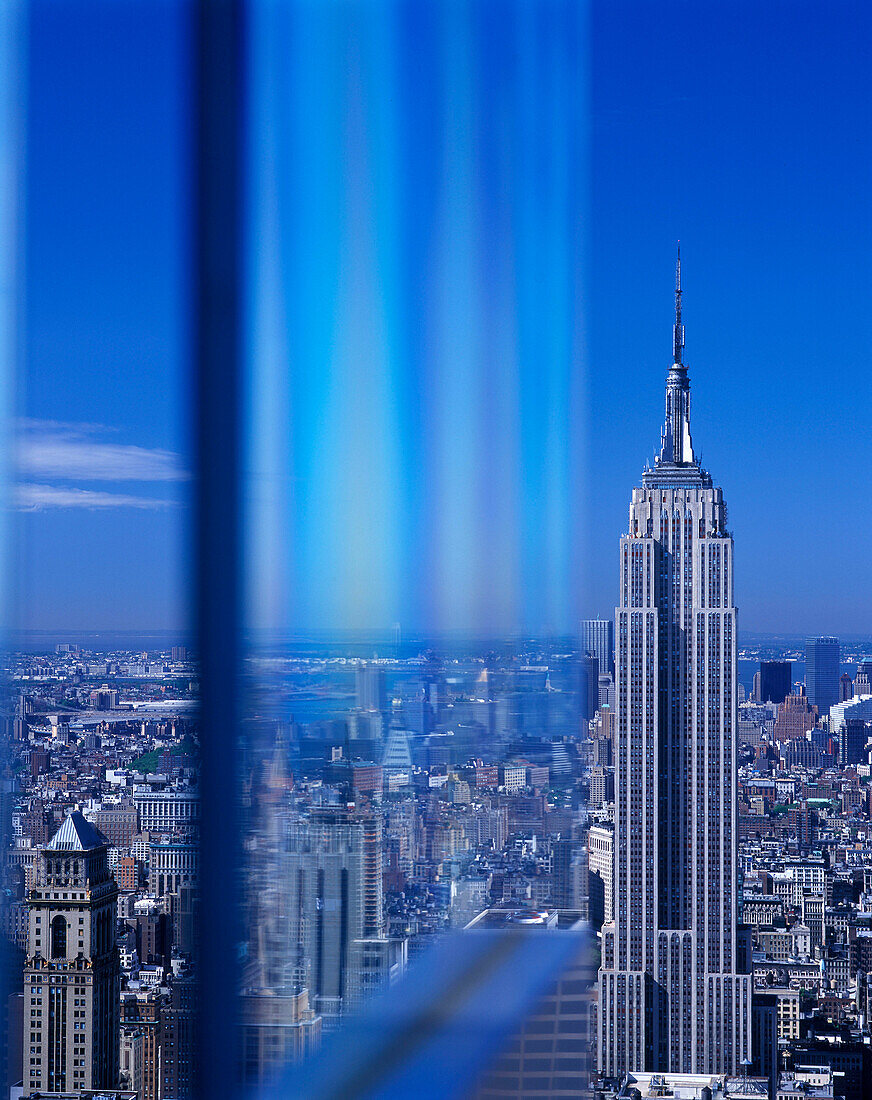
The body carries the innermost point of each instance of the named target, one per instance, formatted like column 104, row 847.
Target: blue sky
column 103, row 444
column 463, row 223
column 745, row 130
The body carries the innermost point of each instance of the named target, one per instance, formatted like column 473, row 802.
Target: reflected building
column 547, row 1058
column 370, row 685
column 333, row 871
column 672, row 997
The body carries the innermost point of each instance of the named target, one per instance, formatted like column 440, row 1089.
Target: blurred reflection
column 418, row 185
column 394, row 801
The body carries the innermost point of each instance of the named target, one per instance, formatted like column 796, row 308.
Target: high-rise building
column 588, row 675
column 71, row 975
column 672, row 994
column 775, row 681
column 371, row 688
column 132, row 1048
column 601, row 858
column 822, row 672
column 172, row 864
column 117, row 823
column 177, row 1040
column 854, row 736
column 795, row 718
column 547, row 1057
column 276, row 1030
column 142, row 1009
column 167, row 811
column 334, row 873
column 569, row 874
column 597, row 637
column 863, row 681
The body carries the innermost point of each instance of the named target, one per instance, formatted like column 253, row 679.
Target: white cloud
column 50, row 449
column 37, row 498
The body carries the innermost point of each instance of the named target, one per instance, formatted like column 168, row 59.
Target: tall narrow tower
column 71, row 976
column 671, row 997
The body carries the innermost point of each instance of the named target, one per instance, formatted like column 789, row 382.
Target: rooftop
column 76, row 834
column 693, row 1086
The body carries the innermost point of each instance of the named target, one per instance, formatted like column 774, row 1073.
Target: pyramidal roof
column 77, row 834
column 397, row 753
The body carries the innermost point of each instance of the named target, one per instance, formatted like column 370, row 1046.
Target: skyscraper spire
column 676, row 447
column 678, row 329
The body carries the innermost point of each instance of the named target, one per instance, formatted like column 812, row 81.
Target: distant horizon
column 383, row 635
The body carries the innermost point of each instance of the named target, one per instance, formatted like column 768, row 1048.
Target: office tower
column 822, row 673
column 775, row 680
column 277, row 1030
column 601, row 754
column 588, row 674
column 142, row 1010
column 765, row 1037
column 854, row 735
column 132, row 1058
column 602, row 785
column 173, row 863
column 334, row 875
column 756, row 689
column 597, row 637
column 153, row 937
column 863, row 682
column 600, row 860
column 371, row 688
column 167, row 811
column 547, row 1057
column 795, row 718
column 183, row 911
column 177, row 1040
column 397, row 754
column 567, row 891
column 374, row 962
column 417, row 711
column 117, row 822
column 71, row 975
column 606, row 690
column 846, row 687
column 671, row 994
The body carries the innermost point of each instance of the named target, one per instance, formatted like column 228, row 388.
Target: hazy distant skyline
column 485, row 303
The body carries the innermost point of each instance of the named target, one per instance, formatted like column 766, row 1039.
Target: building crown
column 76, row 834
column 676, row 446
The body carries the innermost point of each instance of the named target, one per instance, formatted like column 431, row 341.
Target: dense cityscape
column 716, row 835
column 432, row 794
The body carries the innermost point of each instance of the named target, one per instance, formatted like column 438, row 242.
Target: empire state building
column 673, row 994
